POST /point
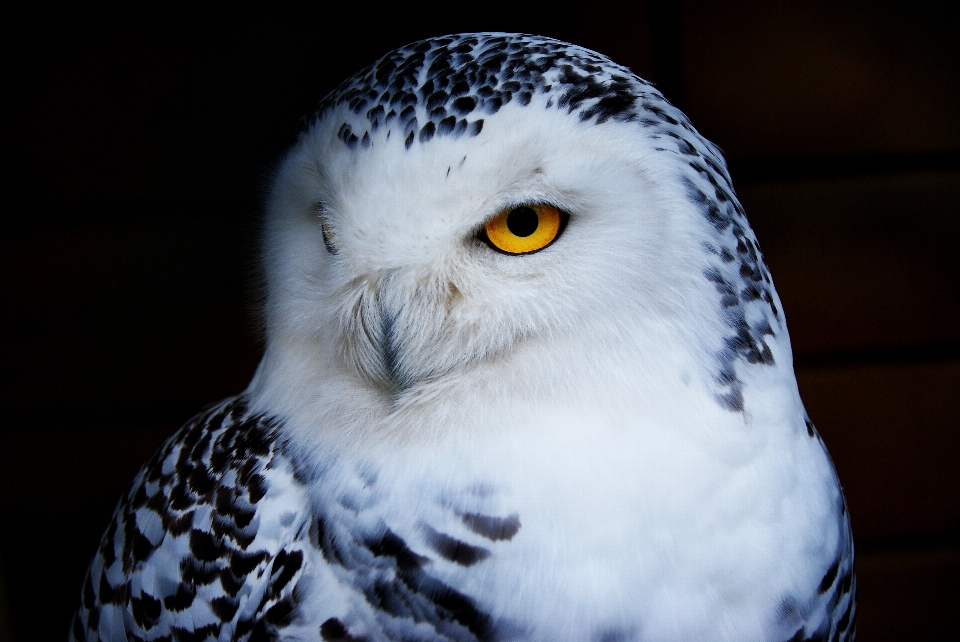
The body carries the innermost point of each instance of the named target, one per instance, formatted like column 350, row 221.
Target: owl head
column 506, row 216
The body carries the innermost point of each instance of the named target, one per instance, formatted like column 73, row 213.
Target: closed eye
column 326, row 228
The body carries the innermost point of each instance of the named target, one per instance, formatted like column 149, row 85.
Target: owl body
column 600, row 438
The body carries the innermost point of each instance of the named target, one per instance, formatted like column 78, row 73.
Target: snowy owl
column 526, row 378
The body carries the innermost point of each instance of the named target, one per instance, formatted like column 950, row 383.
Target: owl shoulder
column 194, row 548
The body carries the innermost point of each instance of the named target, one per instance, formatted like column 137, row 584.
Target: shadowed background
column 133, row 166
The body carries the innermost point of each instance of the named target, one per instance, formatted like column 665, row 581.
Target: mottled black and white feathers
column 188, row 556
column 526, row 378
column 216, row 539
column 192, row 552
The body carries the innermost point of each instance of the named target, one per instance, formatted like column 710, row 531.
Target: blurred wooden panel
column 908, row 595
column 894, row 433
column 151, row 311
column 6, row 629
column 862, row 263
column 791, row 79
column 180, row 113
column 161, row 113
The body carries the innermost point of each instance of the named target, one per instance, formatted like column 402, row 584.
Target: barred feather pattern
column 222, row 537
column 202, row 545
column 215, row 537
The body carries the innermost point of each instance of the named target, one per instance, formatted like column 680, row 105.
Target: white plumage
column 526, row 378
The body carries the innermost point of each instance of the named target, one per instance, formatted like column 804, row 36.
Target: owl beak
column 392, row 333
column 378, row 339
column 390, row 348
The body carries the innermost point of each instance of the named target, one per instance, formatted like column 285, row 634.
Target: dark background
column 133, row 164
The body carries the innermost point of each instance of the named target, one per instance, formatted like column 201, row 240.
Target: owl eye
column 524, row 229
column 329, row 236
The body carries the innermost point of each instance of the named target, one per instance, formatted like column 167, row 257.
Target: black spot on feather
column 453, row 549
column 493, row 528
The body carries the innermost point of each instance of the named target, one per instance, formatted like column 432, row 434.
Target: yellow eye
column 524, row 229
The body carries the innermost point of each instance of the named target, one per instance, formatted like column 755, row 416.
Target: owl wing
column 208, row 541
column 831, row 615
column 218, row 538
column 838, row 588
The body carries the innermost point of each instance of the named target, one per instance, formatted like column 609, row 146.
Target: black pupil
column 522, row 221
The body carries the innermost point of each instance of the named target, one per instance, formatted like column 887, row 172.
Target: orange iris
column 524, row 229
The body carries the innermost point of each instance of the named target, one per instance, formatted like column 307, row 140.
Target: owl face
column 415, row 263
column 506, row 208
